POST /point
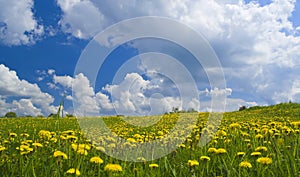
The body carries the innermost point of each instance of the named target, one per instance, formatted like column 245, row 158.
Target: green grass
column 275, row 127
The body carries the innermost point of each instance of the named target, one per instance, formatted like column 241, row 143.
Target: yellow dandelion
column 25, row 135
column 182, row 145
column 45, row 134
column 227, row 141
column 100, row 148
column 13, row 135
column 60, row 154
column 193, row 163
column 234, row 125
column 68, row 132
column 205, row 158
column 37, row 145
column 264, row 160
column 26, row 151
column 261, row 148
column 84, row 146
column 211, row 150
column 74, row 171
column 259, row 136
column 221, row 151
column 160, row 133
column 96, row 159
column 2, row 148
column 71, row 137
column 53, row 140
column 153, row 165
column 245, row 164
column 131, row 140
column 141, row 159
column 113, row 168
column 82, row 152
column 255, row 154
column 240, row 153
column 247, row 140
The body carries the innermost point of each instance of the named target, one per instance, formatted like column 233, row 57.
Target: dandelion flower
column 264, row 160
column 60, row 154
column 234, row 125
column 255, row 154
column 82, row 152
column 259, row 136
column 221, row 151
column 37, row 145
column 261, row 148
column 96, row 159
column 193, row 163
column 74, row 171
column 2, row 148
column 245, row 164
column 113, row 168
column 211, row 150
column 240, row 153
column 141, row 159
column 131, row 140
column 45, row 134
column 153, row 165
column 13, row 135
column 205, row 158
column 247, row 140
column 25, row 135
column 100, row 148
column 182, row 145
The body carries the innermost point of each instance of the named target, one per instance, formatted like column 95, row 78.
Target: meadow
column 259, row 141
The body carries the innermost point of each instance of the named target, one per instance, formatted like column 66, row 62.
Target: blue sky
column 257, row 44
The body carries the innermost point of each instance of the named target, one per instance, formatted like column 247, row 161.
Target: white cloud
column 65, row 81
column 256, row 45
column 26, row 107
column 290, row 94
column 218, row 92
column 84, row 97
column 132, row 96
column 80, row 18
column 103, row 101
column 51, row 71
column 29, row 97
column 18, row 25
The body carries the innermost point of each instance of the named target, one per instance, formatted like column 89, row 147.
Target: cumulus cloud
column 25, row 107
column 29, row 97
column 83, row 97
column 18, row 26
column 80, row 18
column 257, row 47
column 133, row 95
column 216, row 92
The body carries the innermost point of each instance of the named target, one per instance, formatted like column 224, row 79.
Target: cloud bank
column 22, row 97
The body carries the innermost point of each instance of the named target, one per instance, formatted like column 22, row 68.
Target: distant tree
column 69, row 115
column 175, row 110
column 242, row 108
column 40, row 116
column 11, row 115
column 191, row 110
column 52, row 115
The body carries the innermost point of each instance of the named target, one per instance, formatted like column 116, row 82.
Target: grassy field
column 259, row 141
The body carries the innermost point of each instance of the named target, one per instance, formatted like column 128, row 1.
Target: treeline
column 14, row 115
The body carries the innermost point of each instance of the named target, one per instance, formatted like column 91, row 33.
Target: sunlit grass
column 257, row 142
